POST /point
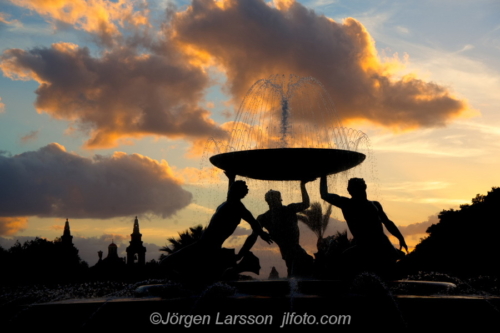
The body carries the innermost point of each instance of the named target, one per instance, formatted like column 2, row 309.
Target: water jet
column 287, row 129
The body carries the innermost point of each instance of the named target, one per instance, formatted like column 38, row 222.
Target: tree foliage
column 184, row 239
column 464, row 242
column 41, row 260
column 315, row 220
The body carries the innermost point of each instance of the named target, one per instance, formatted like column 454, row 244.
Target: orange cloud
column 12, row 225
column 419, row 228
column 116, row 238
column 4, row 19
column 155, row 84
column 251, row 40
column 206, row 175
column 57, row 227
column 31, row 136
column 95, row 16
column 120, row 95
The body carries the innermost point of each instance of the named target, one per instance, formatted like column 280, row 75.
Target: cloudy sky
column 107, row 108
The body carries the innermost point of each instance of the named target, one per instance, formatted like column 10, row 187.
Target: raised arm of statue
column 331, row 198
column 299, row 207
column 305, row 196
column 231, row 178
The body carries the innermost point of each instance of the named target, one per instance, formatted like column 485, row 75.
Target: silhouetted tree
column 41, row 260
column 329, row 254
column 464, row 242
column 339, row 242
column 3, row 257
column 313, row 217
column 185, row 238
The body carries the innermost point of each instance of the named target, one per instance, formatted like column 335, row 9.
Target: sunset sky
column 107, row 107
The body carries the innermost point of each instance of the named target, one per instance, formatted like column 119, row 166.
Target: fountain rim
column 324, row 161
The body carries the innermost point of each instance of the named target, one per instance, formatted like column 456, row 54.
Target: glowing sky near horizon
column 131, row 101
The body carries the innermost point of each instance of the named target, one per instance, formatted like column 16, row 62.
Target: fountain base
column 270, row 300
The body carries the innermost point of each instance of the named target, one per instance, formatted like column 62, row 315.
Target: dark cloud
column 418, row 228
column 51, row 182
column 253, row 40
column 89, row 246
column 7, row 243
column 121, row 94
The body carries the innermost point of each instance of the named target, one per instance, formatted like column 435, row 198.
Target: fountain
column 287, row 129
column 283, row 120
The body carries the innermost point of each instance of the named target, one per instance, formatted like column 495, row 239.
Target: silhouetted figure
column 206, row 259
column 282, row 223
column 372, row 250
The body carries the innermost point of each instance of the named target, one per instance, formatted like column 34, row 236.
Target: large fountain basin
column 287, row 163
column 368, row 309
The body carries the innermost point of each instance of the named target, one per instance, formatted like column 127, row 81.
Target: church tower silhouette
column 136, row 246
column 66, row 238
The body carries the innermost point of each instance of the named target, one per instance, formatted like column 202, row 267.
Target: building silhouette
column 112, row 258
column 112, row 251
column 112, row 264
column 66, row 238
column 67, row 250
column 136, row 248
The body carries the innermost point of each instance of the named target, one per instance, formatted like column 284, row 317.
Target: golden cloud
column 156, row 84
column 120, row 95
column 4, row 19
column 251, row 40
column 12, row 225
column 57, row 227
column 95, row 16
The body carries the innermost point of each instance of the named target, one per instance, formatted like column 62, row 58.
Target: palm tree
column 339, row 242
column 185, row 238
column 316, row 221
